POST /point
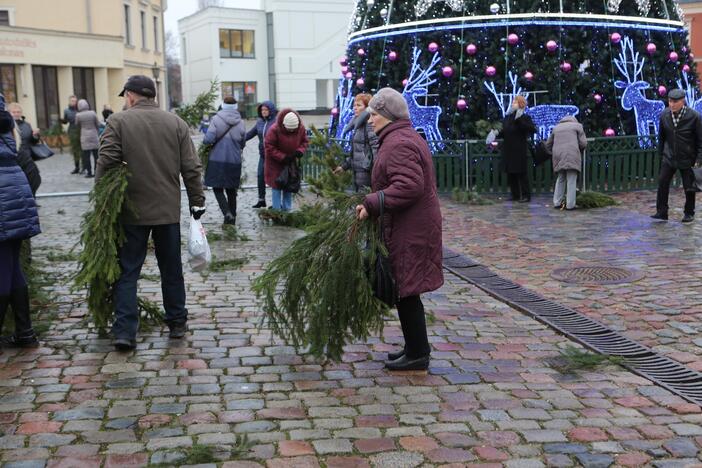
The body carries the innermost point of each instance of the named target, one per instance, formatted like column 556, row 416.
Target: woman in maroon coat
column 404, row 172
column 285, row 141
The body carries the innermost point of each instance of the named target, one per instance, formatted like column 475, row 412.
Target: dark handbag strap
column 223, row 134
column 381, row 198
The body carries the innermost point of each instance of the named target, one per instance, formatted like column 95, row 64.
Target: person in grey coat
column 566, row 144
column 364, row 144
column 227, row 134
column 89, row 125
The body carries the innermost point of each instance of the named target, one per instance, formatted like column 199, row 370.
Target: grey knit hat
column 390, row 104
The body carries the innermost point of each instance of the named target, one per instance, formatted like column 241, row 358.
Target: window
column 245, row 94
column 46, row 94
column 183, row 50
column 8, row 86
column 127, row 25
column 84, row 85
column 235, row 43
column 156, row 33
column 143, row 29
column 4, row 18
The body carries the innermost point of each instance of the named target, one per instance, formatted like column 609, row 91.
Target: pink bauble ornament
column 447, row 71
column 662, row 90
column 361, row 52
column 512, row 39
column 597, row 98
column 404, row 82
column 343, row 60
column 686, row 68
column 461, row 104
column 491, row 71
column 566, row 67
column 610, row 132
column 528, row 76
column 615, row 38
column 433, row 47
column 551, row 46
column 673, row 56
column 360, row 82
column 392, row 56
column 335, row 111
column 344, row 69
column 651, row 48
column 471, row 49
column 348, row 75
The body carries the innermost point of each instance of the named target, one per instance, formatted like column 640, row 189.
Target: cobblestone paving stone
column 525, row 243
column 494, row 395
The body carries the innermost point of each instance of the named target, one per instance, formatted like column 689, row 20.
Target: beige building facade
column 52, row 49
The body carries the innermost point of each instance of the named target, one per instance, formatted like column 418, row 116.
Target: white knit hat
column 291, row 121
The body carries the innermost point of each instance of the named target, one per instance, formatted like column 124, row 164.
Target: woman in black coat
column 27, row 138
column 517, row 128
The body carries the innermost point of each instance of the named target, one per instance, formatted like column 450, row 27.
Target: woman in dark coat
column 19, row 220
column 27, row 137
column 285, row 142
column 364, row 144
column 517, row 128
column 404, row 172
column 267, row 114
column 227, row 133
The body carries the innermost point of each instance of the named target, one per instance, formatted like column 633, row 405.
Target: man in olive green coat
column 157, row 149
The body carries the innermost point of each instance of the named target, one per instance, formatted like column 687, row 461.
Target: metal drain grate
column 596, row 274
column 641, row 360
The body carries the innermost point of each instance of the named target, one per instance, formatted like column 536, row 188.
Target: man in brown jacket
column 157, row 149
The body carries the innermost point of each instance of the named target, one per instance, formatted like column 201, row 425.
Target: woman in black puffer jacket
column 27, row 138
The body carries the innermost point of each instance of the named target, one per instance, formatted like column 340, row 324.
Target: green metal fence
column 612, row 164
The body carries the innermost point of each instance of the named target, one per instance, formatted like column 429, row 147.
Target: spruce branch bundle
column 328, row 184
column 102, row 236
column 317, row 293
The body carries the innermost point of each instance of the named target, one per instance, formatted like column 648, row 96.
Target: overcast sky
column 178, row 9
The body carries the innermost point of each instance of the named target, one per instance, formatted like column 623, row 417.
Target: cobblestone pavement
column 527, row 242
column 496, row 393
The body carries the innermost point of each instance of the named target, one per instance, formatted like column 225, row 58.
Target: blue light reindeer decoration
column 646, row 111
column 424, row 118
column 545, row 116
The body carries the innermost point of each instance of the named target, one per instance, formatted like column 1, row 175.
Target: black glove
column 298, row 154
column 197, row 211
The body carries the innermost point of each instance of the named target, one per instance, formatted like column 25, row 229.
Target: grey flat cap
column 677, row 94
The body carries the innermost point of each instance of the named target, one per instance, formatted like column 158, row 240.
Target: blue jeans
column 261, row 181
column 131, row 259
column 282, row 200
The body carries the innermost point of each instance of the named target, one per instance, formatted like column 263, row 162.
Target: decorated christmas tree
column 461, row 62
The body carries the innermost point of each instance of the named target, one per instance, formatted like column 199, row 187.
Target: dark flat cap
column 677, row 94
column 140, row 84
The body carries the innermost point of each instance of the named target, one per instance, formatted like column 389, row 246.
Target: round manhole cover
column 596, row 274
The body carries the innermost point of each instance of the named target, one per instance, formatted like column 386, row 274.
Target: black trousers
column 664, row 179
column 519, row 185
column 226, row 203
column 261, row 182
column 131, row 259
column 414, row 327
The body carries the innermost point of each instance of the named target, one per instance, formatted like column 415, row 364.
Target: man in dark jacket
column 28, row 137
column 267, row 114
column 680, row 147
column 157, row 149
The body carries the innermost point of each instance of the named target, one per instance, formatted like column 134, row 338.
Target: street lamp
column 156, row 72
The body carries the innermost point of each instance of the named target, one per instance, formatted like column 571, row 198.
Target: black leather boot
column 24, row 336
column 397, row 355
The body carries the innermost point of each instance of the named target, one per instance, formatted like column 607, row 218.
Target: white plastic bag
column 492, row 136
column 198, row 248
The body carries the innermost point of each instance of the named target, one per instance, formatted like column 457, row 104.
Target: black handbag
column 383, row 282
column 41, row 151
column 540, row 153
column 289, row 178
